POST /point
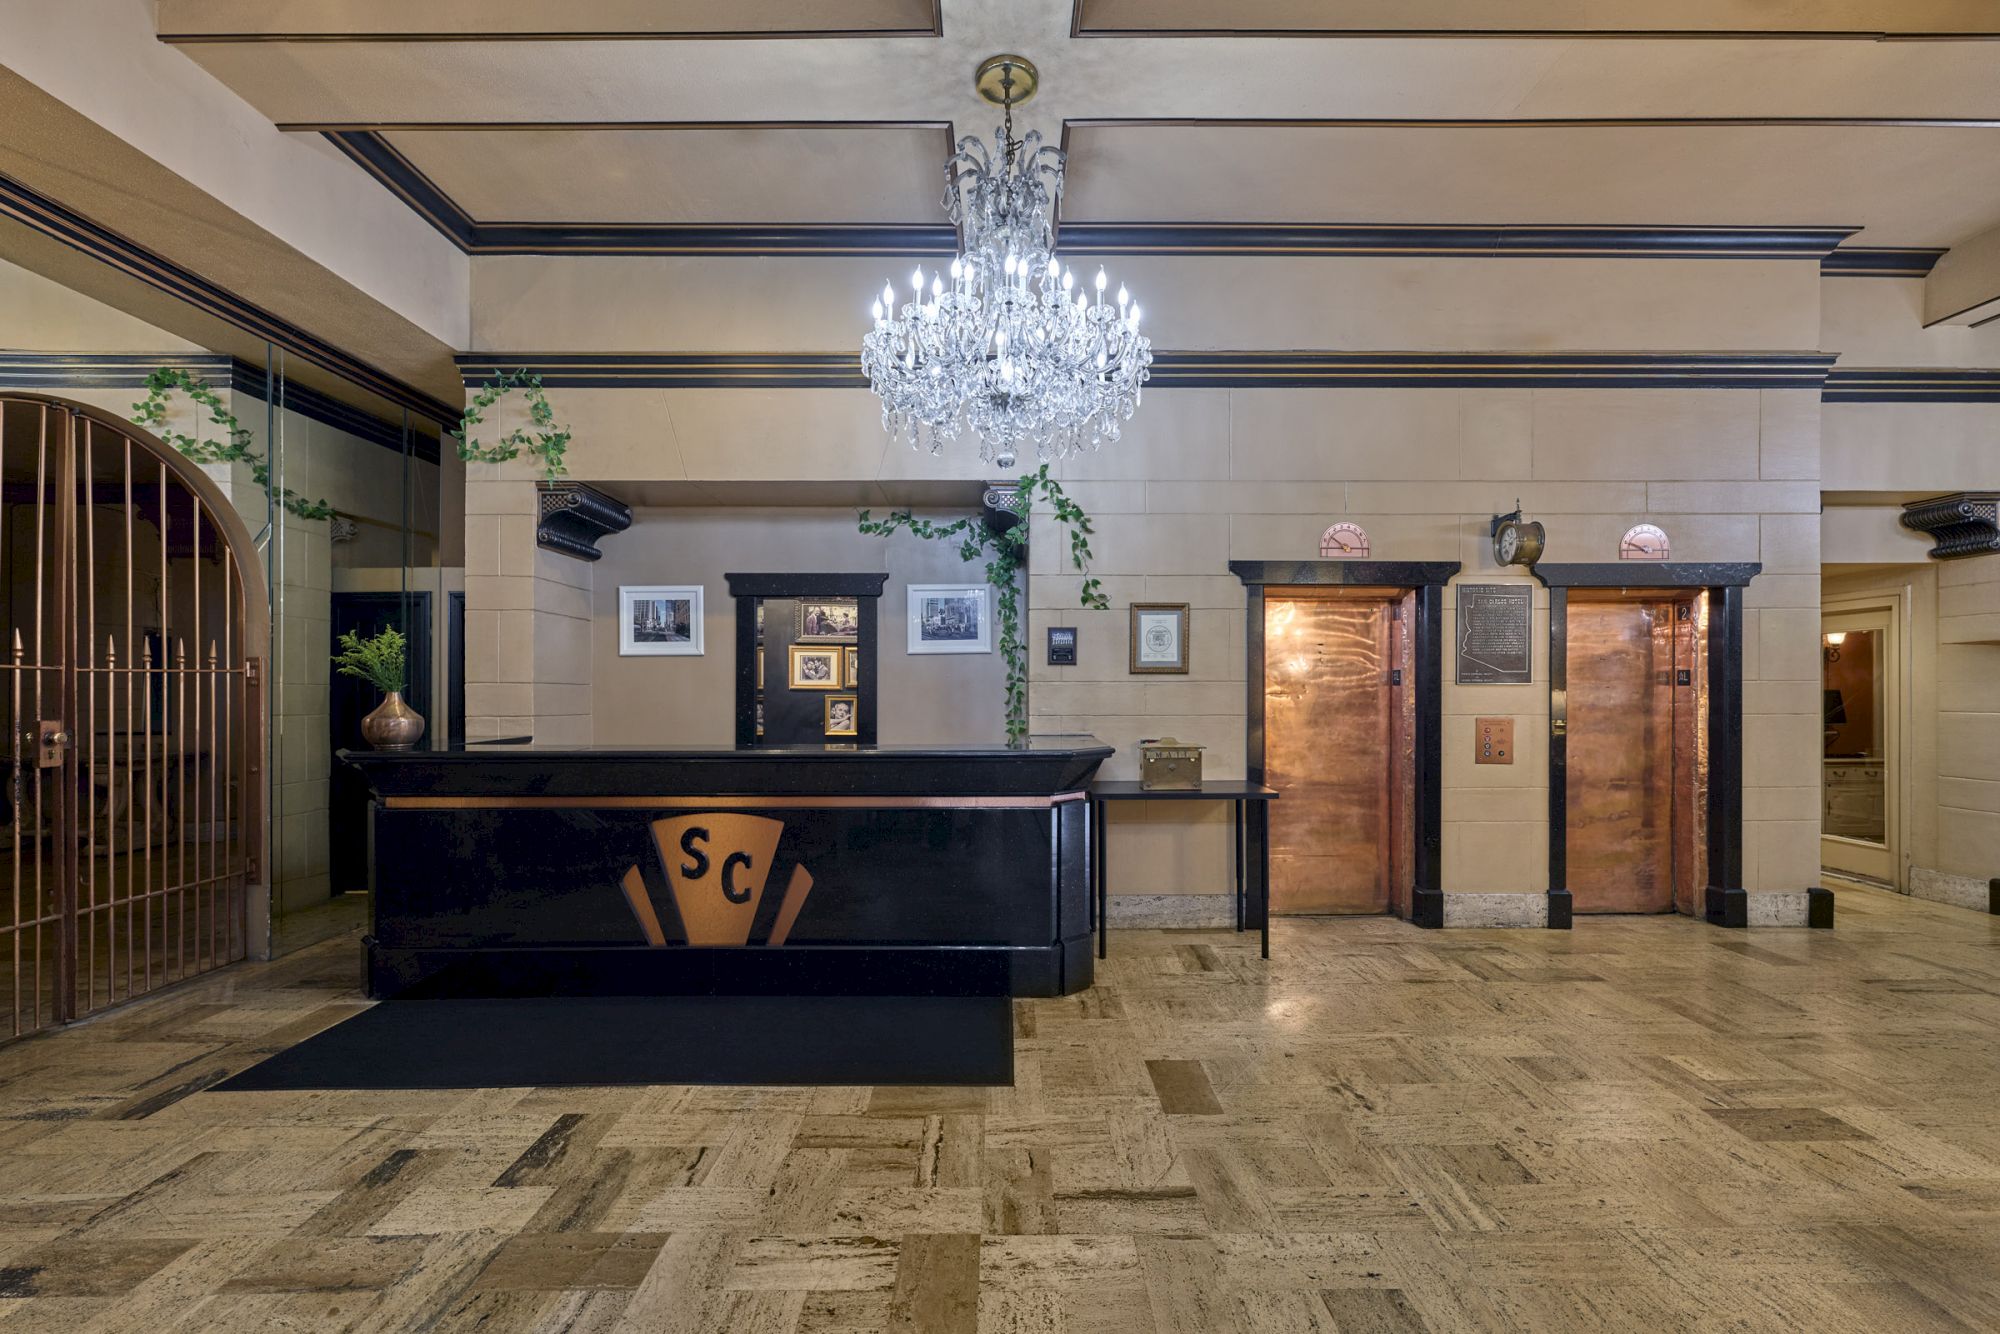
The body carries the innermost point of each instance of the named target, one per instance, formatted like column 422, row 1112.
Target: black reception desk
column 526, row 870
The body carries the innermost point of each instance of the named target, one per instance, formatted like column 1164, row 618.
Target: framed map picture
column 1159, row 633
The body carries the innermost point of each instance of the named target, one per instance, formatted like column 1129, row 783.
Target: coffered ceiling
column 1877, row 114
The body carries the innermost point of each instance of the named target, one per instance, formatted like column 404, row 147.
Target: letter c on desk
column 729, row 865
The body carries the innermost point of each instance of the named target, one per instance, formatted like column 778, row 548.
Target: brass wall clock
column 1517, row 541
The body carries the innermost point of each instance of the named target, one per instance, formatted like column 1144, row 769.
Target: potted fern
column 380, row 661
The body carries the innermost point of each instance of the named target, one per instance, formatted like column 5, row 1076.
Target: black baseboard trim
column 1427, row 908
column 1819, row 908
column 1728, row 907
column 1561, row 910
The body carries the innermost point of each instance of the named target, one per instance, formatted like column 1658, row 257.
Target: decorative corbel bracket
column 1003, row 506
column 1965, row 523
column 572, row 517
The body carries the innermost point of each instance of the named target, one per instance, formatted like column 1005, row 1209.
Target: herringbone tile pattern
column 1642, row 1124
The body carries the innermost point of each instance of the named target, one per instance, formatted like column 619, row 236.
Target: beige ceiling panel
column 1907, row 186
column 1834, row 17
column 768, row 174
column 301, row 84
column 487, row 20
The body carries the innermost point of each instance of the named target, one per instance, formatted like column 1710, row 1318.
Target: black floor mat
column 411, row 1044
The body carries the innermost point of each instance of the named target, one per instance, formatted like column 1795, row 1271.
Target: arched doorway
column 135, row 627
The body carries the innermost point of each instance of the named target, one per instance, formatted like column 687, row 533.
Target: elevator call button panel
column 1495, row 738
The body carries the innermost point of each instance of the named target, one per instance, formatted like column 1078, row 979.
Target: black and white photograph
column 950, row 618
column 852, row 676
column 814, row 668
column 828, row 620
column 661, row 621
column 843, row 713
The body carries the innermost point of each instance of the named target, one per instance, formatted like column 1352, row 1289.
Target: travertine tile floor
column 1642, row 1124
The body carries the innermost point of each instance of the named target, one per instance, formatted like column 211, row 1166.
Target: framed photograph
column 760, row 666
column 814, row 668
column 1159, row 637
column 950, row 618
column 853, row 673
column 659, row 621
column 843, row 715
column 828, row 620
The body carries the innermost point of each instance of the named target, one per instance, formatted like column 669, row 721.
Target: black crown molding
column 44, row 215
column 1915, row 384
column 1965, row 523
column 56, row 371
column 1647, row 574
column 572, row 517
column 1203, row 370
column 403, row 178
column 1525, row 242
column 1876, row 261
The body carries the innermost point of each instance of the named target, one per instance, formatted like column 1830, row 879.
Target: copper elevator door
column 1327, row 745
column 1621, row 757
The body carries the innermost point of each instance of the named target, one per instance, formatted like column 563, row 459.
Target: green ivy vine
column 234, row 447
column 548, row 442
column 1005, row 553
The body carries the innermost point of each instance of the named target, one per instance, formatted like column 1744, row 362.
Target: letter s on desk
column 697, row 868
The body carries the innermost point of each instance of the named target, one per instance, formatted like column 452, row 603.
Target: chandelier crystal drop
column 1007, row 340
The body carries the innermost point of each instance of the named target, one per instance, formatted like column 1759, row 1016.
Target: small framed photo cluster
column 660, row 621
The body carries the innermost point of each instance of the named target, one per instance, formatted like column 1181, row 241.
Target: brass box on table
column 1169, row 764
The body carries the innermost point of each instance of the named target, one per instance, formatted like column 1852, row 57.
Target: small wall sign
column 1062, row 646
column 1495, row 624
column 1644, row 541
column 1344, row 541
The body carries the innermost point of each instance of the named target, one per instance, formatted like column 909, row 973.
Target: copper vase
column 393, row 725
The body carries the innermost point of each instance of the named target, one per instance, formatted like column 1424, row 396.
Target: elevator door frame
column 1724, row 899
column 1425, row 580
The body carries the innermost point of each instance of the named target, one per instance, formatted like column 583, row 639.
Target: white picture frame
column 950, row 618
column 650, row 623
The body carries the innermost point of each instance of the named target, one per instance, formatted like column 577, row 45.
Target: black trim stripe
column 1875, row 261
column 200, row 38
column 1172, row 238
column 1918, row 384
column 45, row 215
column 1202, row 370
column 404, row 179
column 1079, row 28
column 55, row 371
column 379, row 158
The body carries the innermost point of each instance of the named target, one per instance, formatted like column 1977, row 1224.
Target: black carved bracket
column 1966, row 523
column 1003, row 507
column 573, row 517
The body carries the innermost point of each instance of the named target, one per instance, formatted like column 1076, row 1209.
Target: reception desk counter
column 523, row 870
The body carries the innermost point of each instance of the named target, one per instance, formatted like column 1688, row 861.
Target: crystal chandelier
column 1006, row 341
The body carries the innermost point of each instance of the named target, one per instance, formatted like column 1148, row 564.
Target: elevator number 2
column 1495, row 741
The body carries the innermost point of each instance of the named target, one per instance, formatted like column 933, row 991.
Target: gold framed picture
column 812, row 667
column 829, row 620
column 1159, row 638
column 853, row 673
column 760, row 666
column 843, row 715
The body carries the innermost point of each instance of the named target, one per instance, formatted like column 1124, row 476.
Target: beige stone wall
column 1206, row 476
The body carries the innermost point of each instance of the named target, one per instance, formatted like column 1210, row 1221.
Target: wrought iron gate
column 132, row 696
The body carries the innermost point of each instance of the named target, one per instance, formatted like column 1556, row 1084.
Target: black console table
column 1238, row 793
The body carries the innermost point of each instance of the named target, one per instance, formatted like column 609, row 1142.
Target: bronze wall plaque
column 1493, row 741
column 1495, row 633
